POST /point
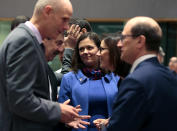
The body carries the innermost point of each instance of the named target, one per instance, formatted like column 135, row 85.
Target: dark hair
column 114, row 51
column 76, row 60
column 18, row 20
column 84, row 24
column 153, row 37
column 121, row 68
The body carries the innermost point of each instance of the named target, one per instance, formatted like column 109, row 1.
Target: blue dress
column 95, row 96
column 97, row 103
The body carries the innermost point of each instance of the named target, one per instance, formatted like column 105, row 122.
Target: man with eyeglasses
column 147, row 99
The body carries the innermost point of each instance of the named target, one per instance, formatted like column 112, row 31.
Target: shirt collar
column 34, row 30
column 140, row 59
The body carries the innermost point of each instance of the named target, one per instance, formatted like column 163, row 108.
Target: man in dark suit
column 147, row 99
column 26, row 95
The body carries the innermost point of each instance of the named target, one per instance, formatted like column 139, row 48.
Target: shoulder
column 18, row 37
column 147, row 69
column 112, row 77
column 69, row 75
column 149, row 73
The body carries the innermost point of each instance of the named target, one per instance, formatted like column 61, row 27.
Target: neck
column 39, row 25
column 142, row 53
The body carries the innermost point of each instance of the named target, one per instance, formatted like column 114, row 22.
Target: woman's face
column 87, row 52
column 104, row 57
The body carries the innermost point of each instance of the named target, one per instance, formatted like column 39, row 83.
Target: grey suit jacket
column 24, row 90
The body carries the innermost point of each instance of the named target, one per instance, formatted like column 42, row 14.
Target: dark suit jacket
column 147, row 100
column 24, row 87
column 66, row 64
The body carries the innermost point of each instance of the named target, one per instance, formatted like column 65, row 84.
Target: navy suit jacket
column 147, row 100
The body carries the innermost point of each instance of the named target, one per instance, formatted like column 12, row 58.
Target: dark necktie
column 42, row 47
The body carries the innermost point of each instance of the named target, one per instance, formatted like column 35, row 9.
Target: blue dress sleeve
column 65, row 90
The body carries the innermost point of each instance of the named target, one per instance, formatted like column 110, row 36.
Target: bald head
column 147, row 27
column 51, row 17
column 55, row 4
column 142, row 20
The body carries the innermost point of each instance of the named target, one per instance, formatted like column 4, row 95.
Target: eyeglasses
column 102, row 49
column 122, row 37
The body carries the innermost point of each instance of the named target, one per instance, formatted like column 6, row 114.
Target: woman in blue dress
column 88, row 86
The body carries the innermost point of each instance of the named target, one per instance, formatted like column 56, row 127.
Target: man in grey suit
column 26, row 94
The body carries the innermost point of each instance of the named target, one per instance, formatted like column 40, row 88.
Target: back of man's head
column 150, row 29
column 19, row 19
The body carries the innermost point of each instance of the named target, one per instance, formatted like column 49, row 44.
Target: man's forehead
column 66, row 7
column 127, row 29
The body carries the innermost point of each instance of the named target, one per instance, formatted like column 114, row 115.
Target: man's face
column 172, row 63
column 127, row 45
column 58, row 19
column 53, row 47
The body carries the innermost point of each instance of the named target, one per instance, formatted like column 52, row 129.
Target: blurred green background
column 169, row 41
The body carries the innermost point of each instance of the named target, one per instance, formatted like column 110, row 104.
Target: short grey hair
column 40, row 4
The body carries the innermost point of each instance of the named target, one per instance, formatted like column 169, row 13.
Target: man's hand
column 71, row 118
column 79, row 123
column 69, row 113
column 73, row 35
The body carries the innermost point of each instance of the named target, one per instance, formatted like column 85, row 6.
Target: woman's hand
column 100, row 122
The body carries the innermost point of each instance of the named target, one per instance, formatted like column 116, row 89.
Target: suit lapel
column 39, row 51
column 54, row 83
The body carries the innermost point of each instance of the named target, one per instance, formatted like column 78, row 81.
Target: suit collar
column 35, row 42
column 141, row 59
column 34, row 30
column 150, row 60
column 24, row 26
column 27, row 29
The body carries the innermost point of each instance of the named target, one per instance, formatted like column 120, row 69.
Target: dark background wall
column 99, row 8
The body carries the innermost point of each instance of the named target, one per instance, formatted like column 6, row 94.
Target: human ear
column 141, row 41
column 48, row 9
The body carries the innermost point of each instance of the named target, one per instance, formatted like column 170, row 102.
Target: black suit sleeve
column 66, row 64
